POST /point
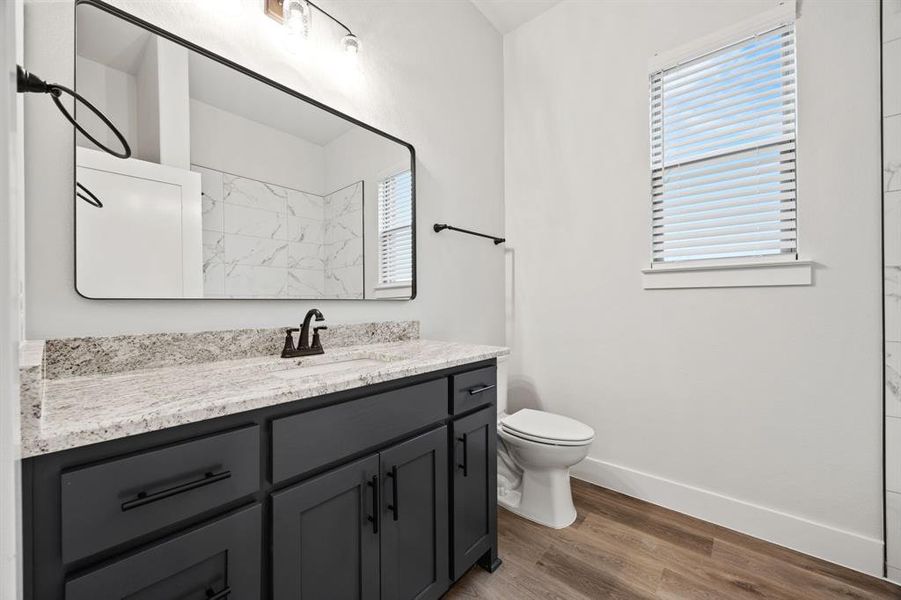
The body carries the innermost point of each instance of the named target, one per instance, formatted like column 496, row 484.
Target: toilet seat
column 547, row 428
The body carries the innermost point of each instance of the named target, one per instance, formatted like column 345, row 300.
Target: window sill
column 394, row 291
column 751, row 274
column 393, row 286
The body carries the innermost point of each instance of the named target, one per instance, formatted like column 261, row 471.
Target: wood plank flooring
column 624, row 548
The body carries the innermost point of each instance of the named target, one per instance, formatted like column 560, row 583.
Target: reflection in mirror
column 236, row 188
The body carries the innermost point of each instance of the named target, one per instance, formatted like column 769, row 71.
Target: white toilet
column 535, row 451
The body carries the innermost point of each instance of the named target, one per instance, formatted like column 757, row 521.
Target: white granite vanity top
column 76, row 411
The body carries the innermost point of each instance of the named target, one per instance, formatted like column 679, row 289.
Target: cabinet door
column 325, row 539
column 414, row 516
column 218, row 560
column 475, row 489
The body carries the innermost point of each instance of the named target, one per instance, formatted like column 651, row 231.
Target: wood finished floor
column 620, row 547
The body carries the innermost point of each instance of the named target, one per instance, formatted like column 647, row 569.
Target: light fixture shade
column 297, row 18
column 351, row 44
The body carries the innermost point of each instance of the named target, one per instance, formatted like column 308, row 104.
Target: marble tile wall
column 891, row 113
column 267, row 241
column 343, row 242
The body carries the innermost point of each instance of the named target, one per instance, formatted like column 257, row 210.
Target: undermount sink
column 325, row 364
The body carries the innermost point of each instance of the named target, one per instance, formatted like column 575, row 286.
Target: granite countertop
column 71, row 411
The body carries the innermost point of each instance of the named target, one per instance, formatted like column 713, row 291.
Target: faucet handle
column 289, row 341
column 317, row 343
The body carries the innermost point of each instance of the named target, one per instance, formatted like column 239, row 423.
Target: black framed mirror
column 238, row 187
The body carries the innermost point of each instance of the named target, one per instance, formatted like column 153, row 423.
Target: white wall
column 11, row 321
column 426, row 69
column 759, row 408
column 147, row 143
column 224, row 141
column 175, row 128
column 114, row 93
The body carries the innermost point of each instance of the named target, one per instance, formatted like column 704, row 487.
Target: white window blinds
column 395, row 229
column 723, row 152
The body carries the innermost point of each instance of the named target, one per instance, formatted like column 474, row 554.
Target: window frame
column 746, row 271
column 382, row 177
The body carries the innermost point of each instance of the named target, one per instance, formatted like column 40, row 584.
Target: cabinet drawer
column 217, row 560
column 306, row 441
column 474, row 389
column 113, row 502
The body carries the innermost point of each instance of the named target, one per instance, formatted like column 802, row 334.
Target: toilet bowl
column 542, row 447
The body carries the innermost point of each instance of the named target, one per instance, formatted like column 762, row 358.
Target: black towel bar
column 442, row 226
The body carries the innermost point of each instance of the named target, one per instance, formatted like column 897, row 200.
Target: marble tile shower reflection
column 267, row 241
column 891, row 168
column 343, row 242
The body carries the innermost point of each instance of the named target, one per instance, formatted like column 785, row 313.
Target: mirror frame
column 121, row 14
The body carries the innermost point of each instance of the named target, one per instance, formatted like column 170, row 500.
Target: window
column 395, row 229
column 723, row 152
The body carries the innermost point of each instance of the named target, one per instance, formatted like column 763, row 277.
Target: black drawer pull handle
column 393, row 506
column 465, row 465
column 479, row 390
column 211, row 595
column 374, row 517
column 145, row 498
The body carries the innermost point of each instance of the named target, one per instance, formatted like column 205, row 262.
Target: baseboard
column 894, row 575
column 845, row 548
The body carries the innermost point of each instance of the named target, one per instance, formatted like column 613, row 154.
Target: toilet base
column 544, row 497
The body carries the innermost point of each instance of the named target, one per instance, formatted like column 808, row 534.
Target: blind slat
column 728, row 248
column 776, row 216
column 687, row 192
column 763, row 227
column 759, row 236
column 716, row 170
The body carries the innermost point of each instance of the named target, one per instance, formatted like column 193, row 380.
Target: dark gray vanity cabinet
column 325, row 538
column 385, row 492
column 475, row 490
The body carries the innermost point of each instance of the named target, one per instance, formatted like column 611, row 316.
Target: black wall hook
column 438, row 227
column 29, row 83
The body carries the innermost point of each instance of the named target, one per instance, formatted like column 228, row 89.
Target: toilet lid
column 540, row 425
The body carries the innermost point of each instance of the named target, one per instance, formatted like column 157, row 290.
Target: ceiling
column 108, row 40
column 507, row 15
column 225, row 88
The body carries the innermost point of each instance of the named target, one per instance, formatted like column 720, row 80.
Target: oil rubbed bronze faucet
column 303, row 344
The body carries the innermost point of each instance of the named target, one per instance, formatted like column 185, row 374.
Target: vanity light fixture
column 351, row 44
column 297, row 17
